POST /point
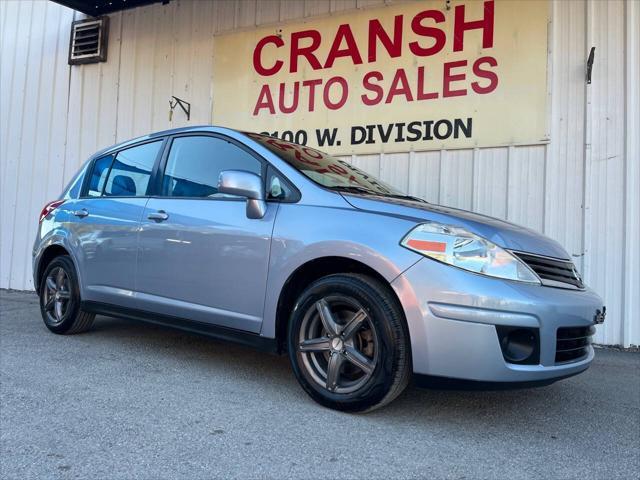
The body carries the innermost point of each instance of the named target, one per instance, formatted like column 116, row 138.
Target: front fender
column 304, row 233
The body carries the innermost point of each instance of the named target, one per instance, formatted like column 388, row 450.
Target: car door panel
column 207, row 261
column 200, row 257
column 106, row 240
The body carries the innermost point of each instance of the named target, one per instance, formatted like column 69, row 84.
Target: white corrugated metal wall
column 582, row 189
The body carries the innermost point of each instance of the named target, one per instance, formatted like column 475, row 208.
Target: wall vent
column 89, row 41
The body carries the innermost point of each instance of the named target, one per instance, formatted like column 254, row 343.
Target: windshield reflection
column 328, row 171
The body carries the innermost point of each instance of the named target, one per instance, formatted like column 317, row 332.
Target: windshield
column 328, row 171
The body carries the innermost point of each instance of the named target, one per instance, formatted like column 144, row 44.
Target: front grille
column 572, row 343
column 552, row 272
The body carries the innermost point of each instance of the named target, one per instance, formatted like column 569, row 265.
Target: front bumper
column 452, row 316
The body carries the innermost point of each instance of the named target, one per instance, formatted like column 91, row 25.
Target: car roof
column 163, row 133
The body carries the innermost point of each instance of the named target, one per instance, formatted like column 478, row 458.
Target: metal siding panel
column 10, row 259
column 183, row 62
column 564, row 179
column 33, row 139
column 10, row 10
column 3, row 18
column 28, row 134
column 525, row 200
column 39, row 133
column 127, row 75
column 314, row 8
column 9, row 44
column 46, row 115
column 340, row 5
column 490, row 180
column 192, row 70
column 225, row 15
column 200, row 94
column 394, row 169
column 456, row 178
column 290, row 10
column 631, row 266
column 424, row 175
column 89, row 105
column 369, row 3
column 163, row 66
column 143, row 85
column 58, row 132
column 108, row 92
column 246, row 13
column 605, row 166
column 267, row 11
column 82, row 114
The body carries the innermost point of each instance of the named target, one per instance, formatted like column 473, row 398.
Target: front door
column 199, row 256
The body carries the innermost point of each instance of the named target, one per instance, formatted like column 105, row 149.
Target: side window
column 131, row 171
column 277, row 187
column 99, row 175
column 195, row 163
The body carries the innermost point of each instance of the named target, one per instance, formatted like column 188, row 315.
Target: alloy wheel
column 337, row 344
column 56, row 295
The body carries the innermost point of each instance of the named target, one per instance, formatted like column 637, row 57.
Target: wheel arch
column 47, row 255
column 309, row 272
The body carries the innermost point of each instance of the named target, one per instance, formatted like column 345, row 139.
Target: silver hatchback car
column 248, row 238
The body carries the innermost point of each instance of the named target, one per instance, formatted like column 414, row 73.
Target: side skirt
column 269, row 345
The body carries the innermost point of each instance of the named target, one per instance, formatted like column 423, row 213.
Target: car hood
column 504, row 234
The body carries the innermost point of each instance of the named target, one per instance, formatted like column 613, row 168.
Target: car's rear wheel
column 60, row 298
column 348, row 343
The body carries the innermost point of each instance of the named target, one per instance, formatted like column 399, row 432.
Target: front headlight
column 461, row 248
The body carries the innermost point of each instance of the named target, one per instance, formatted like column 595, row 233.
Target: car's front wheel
column 348, row 343
column 60, row 298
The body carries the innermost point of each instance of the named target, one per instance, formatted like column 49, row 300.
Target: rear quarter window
column 131, row 171
column 99, row 175
column 124, row 174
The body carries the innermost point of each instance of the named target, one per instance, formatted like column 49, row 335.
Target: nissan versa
column 249, row 238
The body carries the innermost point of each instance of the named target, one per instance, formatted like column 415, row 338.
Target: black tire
column 382, row 340
column 70, row 318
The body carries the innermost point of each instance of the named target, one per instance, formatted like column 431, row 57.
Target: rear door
column 200, row 257
column 106, row 221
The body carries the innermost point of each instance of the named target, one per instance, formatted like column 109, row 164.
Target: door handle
column 159, row 216
column 81, row 213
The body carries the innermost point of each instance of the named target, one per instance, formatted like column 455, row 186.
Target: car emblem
column 599, row 316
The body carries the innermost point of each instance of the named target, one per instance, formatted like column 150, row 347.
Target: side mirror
column 244, row 184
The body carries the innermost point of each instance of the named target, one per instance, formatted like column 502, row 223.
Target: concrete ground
column 129, row 400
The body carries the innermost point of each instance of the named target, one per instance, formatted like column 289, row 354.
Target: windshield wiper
column 405, row 197
column 366, row 191
column 354, row 189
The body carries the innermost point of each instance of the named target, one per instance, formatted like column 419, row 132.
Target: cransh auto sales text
column 273, row 54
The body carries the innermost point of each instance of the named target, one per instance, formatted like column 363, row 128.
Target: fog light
column 519, row 345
